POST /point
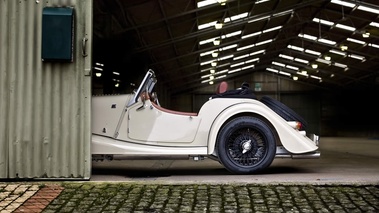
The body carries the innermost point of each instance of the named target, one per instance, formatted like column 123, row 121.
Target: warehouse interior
column 319, row 57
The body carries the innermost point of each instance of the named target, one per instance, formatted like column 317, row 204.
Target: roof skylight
column 255, row 45
column 219, row 50
column 359, row 7
column 329, row 23
column 293, row 59
column 206, row 3
column 260, row 32
column 226, row 20
column 300, row 49
column 314, row 38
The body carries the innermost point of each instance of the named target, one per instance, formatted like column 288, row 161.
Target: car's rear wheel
column 246, row 145
column 283, row 111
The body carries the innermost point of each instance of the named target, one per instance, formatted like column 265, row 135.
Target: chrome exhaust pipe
column 311, row 155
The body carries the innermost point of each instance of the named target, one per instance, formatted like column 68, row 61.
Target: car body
column 244, row 134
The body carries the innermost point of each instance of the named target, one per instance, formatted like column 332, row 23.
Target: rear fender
column 290, row 138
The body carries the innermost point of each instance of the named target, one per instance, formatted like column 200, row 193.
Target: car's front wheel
column 246, row 145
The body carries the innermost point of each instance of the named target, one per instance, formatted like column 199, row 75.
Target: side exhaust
column 311, row 155
column 281, row 152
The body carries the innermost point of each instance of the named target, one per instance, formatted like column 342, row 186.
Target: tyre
column 283, row 111
column 246, row 145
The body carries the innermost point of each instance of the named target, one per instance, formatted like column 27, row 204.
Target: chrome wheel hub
column 246, row 146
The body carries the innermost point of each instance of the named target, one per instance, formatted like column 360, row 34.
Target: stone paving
column 136, row 197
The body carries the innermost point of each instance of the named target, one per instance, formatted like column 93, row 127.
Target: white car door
column 151, row 125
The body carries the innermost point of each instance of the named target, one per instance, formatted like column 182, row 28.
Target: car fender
column 290, row 138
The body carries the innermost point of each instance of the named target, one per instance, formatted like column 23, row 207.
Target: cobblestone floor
column 131, row 197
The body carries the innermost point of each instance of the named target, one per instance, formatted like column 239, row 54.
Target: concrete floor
column 342, row 161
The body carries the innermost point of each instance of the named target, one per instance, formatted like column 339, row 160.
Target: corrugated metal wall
column 45, row 107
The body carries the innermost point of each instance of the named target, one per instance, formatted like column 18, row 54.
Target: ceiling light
column 295, row 78
column 212, row 71
column 373, row 45
column 304, row 72
column 374, row 24
column 233, row 71
column 301, row 60
column 344, row 47
column 272, row 70
column 324, row 61
column 322, row 21
column 356, row 41
column 278, row 64
column 316, row 77
column 214, row 54
column 340, row 65
column 216, row 42
column 211, row 77
column 205, row 76
column 343, row 3
column 368, row 9
column 337, row 52
column 218, row 25
column 272, row 29
column 214, row 64
column 292, row 67
column 205, row 3
column 295, row 48
column 222, row 2
column 251, row 35
column 314, row 66
column 117, row 85
column 286, row 57
column 345, row 27
column 240, row 57
column 236, row 17
column 328, row 58
column 310, row 37
column 326, row 41
column 285, row 73
column 362, row 58
column 228, row 47
column 238, row 64
column 260, row 1
column 312, row 52
column 211, row 82
column 366, row 34
column 98, row 74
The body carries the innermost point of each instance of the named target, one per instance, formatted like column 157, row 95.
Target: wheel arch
column 222, row 120
column 285, row 135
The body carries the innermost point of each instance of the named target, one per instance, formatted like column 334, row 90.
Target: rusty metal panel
column 44, row 106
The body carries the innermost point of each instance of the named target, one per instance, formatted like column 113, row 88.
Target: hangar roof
column 324, row 43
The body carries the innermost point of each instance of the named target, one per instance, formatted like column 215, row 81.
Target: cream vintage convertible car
column 233, row 127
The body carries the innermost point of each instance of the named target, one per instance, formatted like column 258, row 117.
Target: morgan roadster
column 233, row 127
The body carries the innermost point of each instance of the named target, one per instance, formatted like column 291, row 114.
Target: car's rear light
column 295, row 124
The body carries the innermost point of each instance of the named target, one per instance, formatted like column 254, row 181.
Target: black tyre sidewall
column 257, row 125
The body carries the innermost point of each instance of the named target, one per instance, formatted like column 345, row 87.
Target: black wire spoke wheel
column 246, row 145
